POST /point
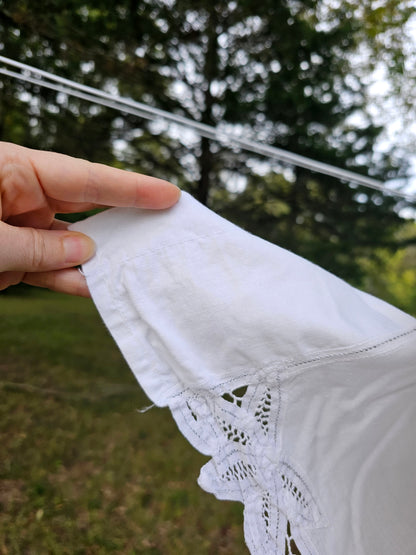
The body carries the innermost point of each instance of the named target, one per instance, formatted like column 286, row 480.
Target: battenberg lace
column 239, row 429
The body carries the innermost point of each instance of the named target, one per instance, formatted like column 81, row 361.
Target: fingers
column 69, row 281
column 10, row 278
column 71, row 180
column 37, row 250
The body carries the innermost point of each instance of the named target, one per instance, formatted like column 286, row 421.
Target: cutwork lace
column 239, row 429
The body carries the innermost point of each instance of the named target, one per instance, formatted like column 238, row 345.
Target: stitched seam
column 354, row 353
column 270, row 369
column 168, row 245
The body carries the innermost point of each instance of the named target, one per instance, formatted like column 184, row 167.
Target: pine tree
column 279, row 72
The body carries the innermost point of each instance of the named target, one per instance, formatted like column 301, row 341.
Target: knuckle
column 92, row 187
column 14, row 170
column 9, row 278
column 38, row 251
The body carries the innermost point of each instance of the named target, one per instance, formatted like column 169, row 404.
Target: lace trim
column 239, row 429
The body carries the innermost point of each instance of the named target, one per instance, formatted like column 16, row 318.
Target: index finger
column 68, row 179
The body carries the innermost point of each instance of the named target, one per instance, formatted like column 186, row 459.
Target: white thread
column 146, row 409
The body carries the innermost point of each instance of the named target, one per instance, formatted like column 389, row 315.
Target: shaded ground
column 81, row 471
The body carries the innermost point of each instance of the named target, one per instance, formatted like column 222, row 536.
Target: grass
column 81, row 471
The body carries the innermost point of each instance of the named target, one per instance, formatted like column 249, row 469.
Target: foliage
column 319, row 220
column 92, row 43
column 392, row 275
column 282, row 72
column 385, row 61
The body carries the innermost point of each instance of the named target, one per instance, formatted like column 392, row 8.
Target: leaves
column 291, row 74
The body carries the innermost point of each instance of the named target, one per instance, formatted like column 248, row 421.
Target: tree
column 279, row 72
column 316, row 219
column 392, row 276
column 94, row 43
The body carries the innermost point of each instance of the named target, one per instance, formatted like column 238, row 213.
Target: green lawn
column 81, row 471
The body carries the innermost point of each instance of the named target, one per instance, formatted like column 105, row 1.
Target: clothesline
column 35, row 76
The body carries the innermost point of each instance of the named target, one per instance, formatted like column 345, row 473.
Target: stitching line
column 269, row 369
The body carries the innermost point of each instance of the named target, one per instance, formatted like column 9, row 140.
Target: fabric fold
column 265, row 361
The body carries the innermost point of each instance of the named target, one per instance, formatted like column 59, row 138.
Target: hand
column 35, row 185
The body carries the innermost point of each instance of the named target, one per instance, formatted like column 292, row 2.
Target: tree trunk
column 206, row 158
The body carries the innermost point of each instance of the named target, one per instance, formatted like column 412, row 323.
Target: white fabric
column 301, row 388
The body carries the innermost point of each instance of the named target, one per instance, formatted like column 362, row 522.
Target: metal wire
column 48, row 80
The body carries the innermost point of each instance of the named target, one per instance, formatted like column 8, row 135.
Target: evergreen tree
column 278, row 72
column 95, row 43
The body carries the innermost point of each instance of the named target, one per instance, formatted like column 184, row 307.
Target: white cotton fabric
column 301, row 388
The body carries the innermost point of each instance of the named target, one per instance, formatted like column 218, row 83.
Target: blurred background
column 80, row 470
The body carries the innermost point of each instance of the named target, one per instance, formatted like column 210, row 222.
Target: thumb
column 38, row 250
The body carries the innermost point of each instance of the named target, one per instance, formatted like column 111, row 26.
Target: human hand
column 35, row 185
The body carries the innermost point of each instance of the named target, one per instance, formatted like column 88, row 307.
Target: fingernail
column 78, row 248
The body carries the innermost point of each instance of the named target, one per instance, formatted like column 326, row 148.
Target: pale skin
column 35, row 247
